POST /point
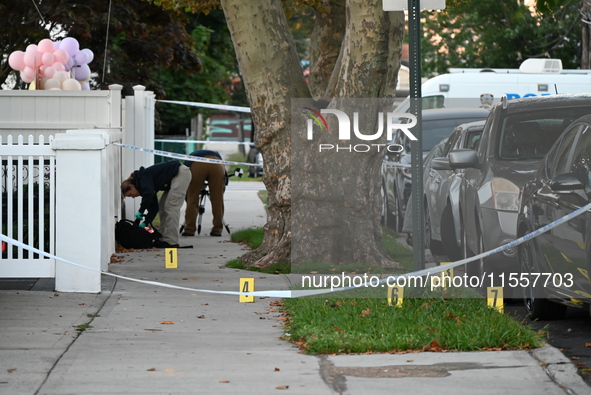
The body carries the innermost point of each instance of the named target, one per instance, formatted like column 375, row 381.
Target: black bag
column 130, row 235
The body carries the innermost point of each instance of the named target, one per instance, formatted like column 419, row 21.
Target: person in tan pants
column 215, row 175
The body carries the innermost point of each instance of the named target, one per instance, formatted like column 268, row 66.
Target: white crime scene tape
column 183, row 156
column 321, row 291
column 208, row 105
column 203, row 142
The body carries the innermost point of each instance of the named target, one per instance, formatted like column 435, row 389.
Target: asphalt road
column 571, row 335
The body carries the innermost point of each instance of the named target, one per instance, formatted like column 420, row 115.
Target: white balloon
column 61, row 76
column 52, row 83
column 71, row 85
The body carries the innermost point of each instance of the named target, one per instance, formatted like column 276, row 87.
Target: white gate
column 28, row 206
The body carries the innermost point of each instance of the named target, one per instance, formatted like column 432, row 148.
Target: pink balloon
column 30, row 59
column 70, row 45
column 32, row 48
column 46, row 46
column 49, row 71
column 61, row 56
column 69, row 64
column 16, row 60
column 47, row 59
column 59, row 66
column 28, row 75
column 81, row 72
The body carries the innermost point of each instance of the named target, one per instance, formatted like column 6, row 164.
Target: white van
column 485, row 87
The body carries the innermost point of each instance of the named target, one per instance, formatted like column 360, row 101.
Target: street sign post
column 414, row 8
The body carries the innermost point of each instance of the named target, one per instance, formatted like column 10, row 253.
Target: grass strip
column 366, row 325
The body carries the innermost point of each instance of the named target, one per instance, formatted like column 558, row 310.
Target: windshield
column 438, row 129
column 531, row 134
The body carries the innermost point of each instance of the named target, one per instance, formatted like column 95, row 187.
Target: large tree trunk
column 337, row 210
column 272, row 76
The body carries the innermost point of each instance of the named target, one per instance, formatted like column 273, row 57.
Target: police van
column 484, row 87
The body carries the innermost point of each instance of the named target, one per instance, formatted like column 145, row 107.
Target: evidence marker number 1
column 171, row 258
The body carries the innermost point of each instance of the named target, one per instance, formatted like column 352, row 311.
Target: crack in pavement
column 335, row 376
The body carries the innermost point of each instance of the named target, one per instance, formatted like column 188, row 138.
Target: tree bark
column 325, row 44
column 333, row 200
column 272, row 75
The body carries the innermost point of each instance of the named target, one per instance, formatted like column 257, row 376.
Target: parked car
column 437, row 124
column 517, row 135
column 255, row 156
column 442, row 190
column 561, row 185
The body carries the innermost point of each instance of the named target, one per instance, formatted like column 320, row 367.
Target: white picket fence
column 28, row 205
column 60, row 179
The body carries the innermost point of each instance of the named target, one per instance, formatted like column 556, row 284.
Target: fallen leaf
column 10, row 370
column 365, row 313
column 224, row 381
column 576, row 358
column 200, row 316
column 587, row 344
column 154, row 330
column 277, row 369
column 167, row 322
column 152, row 370
column 81, row 304
column 283, row 387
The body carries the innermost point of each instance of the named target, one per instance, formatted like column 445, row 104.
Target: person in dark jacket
column 215, row 175
column 171, row 177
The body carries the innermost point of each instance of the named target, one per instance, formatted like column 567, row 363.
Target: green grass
column 361, row 321
column 361, row 325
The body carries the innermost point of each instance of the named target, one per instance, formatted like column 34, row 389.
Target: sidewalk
column 144, row 339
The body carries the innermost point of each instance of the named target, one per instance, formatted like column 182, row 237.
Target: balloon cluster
column 56, row 65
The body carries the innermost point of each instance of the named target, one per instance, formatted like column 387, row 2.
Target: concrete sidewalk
column 144, row 339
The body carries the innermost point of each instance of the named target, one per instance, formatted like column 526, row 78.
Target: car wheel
column 476, row 268
column 537, row 306
column 435, row 246
column 448, row 235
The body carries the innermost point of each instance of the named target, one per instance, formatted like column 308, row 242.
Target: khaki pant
column 170, row 206
column 214, row 174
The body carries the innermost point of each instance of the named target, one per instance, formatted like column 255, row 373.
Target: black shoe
column 187, row 234
column 164, row 244
column 215, row 234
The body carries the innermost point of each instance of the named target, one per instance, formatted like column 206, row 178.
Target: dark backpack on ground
column 129, row 235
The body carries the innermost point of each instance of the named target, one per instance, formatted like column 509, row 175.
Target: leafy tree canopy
column 500, row 33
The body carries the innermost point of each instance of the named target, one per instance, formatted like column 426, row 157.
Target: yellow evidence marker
column 395, row 295
column 246, row 285
column 171, row 258
column 494, row 296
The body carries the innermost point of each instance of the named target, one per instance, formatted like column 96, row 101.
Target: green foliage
column 500, row 34
column 211, row 39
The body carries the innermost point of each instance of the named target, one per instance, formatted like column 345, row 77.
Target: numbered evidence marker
column 447, row 276
column 494, row 297
column 395, row 295
column 171, row 258
column 246, row 285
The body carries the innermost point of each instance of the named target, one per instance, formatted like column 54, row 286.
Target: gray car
column 437, row 124
column 516, row 137
column 442, row 193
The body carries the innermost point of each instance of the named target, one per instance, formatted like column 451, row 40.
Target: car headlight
column 505, row 194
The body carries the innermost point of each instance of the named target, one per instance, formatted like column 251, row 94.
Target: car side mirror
column 440, row 164
column 566, row 182
column 463, row 159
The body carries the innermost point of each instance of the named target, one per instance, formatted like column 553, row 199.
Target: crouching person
column 171, row 177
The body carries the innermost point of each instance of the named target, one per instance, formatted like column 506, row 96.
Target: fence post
column 82, row 203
